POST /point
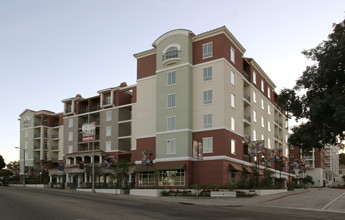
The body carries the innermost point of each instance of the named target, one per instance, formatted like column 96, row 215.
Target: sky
column 52, row 50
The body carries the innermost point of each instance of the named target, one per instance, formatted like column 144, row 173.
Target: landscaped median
column 211, row 193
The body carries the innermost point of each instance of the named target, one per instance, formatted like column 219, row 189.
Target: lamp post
column 23, row 164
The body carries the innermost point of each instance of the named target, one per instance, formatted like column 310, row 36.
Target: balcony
column 246, row 119
column 55, row 136
column 55, row 148
column 171, row 56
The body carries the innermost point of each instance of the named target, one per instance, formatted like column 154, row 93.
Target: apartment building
column 192, row 92
column 41, row 140
column 111, row 112
column 201, row 88
column 321, row 164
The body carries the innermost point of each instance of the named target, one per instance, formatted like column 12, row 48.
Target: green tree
column 13, row 166
column 2, row 163
column 319, row 95
column 120, row 170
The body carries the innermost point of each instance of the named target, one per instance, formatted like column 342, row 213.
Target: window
column 269, row 143
column 172, row 52
column 207, row 50
column 108, row 100
column 108, row 116
column 171, row 123
column 262, row 137
column 70, row 136
column 292, row 155
column 171, row 146
column 232, row 100
column 171, row 78
column 108, row 145
column 171, row 178
column 207, row 73
column 262, row 86
column 26, row 133
column 262, row 121
column 208, row 121
column 269, row 126
column 108, row 131
column 254, row 116
column 233, row 122
column 269, row 92
column 233, row 146
column 171, row 100
column 254, row 77
column 70, row 149
column 262, row 104
column 232, row 55
column 208, row 97
column 207, row 145
column 254, row 96
column 146, row 179
column 269, row 109
column 233, row 177
column 26, row 145
column 232, row 78
column 70, row 122
column 254, row 135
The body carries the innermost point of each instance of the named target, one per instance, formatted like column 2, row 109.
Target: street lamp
column 23, row 163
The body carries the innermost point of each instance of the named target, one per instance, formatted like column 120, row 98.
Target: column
column 85, row 177
column 100, row 159
column 50, row 179
column 79, row 180
column 67, row 178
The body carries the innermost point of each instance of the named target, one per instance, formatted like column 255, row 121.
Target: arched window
column 172, row 52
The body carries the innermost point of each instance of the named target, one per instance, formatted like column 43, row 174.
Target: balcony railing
column 171, row 54
column 54, row 136
column 55, row 147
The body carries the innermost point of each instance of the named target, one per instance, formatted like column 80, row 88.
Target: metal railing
column 171, row 54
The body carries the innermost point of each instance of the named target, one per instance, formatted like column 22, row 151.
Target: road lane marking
column 332, row 202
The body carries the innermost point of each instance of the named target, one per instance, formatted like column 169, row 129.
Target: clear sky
column 52, row 50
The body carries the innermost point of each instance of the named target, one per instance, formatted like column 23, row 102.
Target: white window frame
column 171, row 78
column 233, row 123
column 254, row 96
column 269, row 109
column 207, row 120
column 70, row 122
column 70, row 149
column 269, row 126
column 269, row 143
column 207, row 50
column 108, row 146
column 207, row 73
column 171, row 100
column 262, row 104
column 232, row 78
column 171, row 146
column 268, row 92
column 108, row 131
column 232, row 55
column 262, row 85
column 232, row 100
column 70, row 136
column 208, row 97
column 262, row 121
column 233, row 146
column 254, row 115
column 171, row 123
column 108, row 116
column 207, row 145
column 254, row 77
column 254, row 135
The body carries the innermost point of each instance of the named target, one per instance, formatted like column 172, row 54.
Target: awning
column 247, row 169
column 163, row 166
column 235, row 167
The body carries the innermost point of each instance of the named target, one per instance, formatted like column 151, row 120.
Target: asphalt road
column 30, row 203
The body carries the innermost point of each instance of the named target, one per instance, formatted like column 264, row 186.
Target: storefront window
column 233, row 177
column 171, row 178
column 146, row 179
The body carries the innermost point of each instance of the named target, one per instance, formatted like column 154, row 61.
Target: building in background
column 41, row 141
column 321, row 164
